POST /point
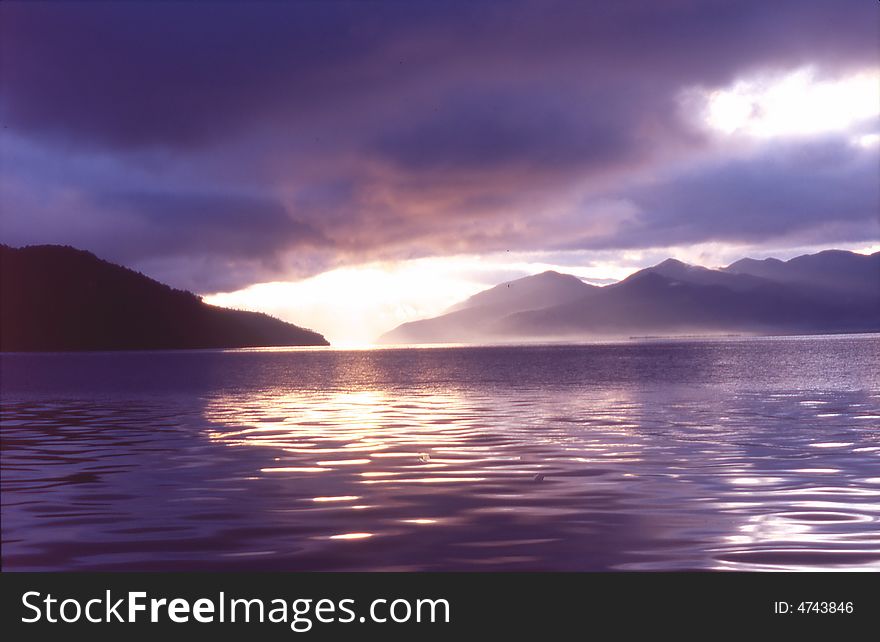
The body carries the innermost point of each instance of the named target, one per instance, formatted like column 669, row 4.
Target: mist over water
column 741, row 454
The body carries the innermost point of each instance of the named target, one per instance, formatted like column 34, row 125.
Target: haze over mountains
column 828, row 292
column 60, row 298
column 55, row 298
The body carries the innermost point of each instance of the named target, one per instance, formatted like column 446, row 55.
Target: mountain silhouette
column 829, row 292
column 675, row 270
column 541, row 290
column 832, row 270
column 473, row 319
column 58, row 298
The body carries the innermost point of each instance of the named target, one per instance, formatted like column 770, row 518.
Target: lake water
column 734, row 454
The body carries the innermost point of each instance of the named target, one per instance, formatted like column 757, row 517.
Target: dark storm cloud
column 496, row 129
column 231, row 225
column 815, row 188
column 135, row 74
column 395, row 129
column 179, row 74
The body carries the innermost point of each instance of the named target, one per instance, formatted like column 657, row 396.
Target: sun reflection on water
column 741, row 454
column 395, row 455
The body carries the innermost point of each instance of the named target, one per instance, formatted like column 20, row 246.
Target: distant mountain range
column 829, row 292
column 60, row 298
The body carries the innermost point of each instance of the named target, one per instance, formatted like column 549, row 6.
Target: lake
column 736, row 453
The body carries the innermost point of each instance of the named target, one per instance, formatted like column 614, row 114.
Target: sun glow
column 795, row 104
column 352, row 306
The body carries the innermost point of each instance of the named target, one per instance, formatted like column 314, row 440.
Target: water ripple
column 390, row 469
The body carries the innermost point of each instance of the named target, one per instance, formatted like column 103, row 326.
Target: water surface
column 662, row 455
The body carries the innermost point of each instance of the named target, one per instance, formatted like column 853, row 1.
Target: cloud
column 177, row 74
column 804, row 190
column 272, row 140
column 230, row 225
column 499, row 130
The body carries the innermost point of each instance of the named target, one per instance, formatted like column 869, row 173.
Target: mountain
column 472, row 319
column 654, row 304
column 833, row 270
column 538, row 291
column 698, row 275
column 674, row 298
column 60, row 298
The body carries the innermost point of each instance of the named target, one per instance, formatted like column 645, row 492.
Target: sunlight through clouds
column 795, row 104
column 354, row 305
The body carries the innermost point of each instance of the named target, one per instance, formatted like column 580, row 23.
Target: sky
column 349, row 166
